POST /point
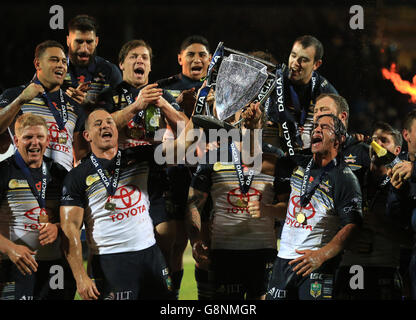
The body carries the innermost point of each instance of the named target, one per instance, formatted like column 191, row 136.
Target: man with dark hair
column 32, row 266
column 321, row 214
column 44, row 96
column 194, row 58
column 354, row 152
column 298, row 86
column 88, row 74
column 377, row 247
column 136, row 128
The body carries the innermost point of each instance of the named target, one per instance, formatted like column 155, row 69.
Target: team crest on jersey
column 15, row 183
column 218, row 166
column 325, row 186
column 350, row 159
column 116, row 99
column 316, row 289
column 91, row 179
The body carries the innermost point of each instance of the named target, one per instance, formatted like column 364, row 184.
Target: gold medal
column 243, row 203
column 43, row 217
column 110, row 206
column 62, row 139
column 300, row 217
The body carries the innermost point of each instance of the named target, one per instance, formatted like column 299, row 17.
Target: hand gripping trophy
column 238, row 79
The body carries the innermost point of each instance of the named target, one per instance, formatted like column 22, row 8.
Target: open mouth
column 33, row 151
column 107, row 135
column 293, row 72
column 316, row 140
column 59, row 73
column 196, row 69
column 139, row 71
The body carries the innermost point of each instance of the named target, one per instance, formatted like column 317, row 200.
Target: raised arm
column 9, row 112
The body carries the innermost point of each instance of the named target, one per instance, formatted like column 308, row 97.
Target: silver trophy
column 238, row 79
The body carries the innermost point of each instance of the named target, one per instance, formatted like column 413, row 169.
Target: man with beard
column 88, row 74
column 298, row 85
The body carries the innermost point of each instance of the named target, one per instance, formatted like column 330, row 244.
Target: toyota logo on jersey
column 33, row 214
column 55, row 133
column 309, row 210
column 240, row 200
column 128, row 196
column 127, row 199
column 293, row 208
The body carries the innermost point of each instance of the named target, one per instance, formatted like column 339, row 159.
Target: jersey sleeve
column 201, row 179
column 327, row 87
column 9, row 95
column 116, row 76
column 347, row 197
column 4, row 174
column 172, row 101
column 73, row 189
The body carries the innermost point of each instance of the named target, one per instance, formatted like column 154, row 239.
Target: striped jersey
column 232, row 226
column 19, row 209
column 59, row 150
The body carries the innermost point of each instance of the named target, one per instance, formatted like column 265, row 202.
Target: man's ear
column 317, row 64
column 180, row 59
column 86, row 136
column 406, row 135
column 15, row 140
column 36, row 63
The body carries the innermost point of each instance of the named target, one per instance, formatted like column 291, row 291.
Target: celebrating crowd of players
column 328, row 220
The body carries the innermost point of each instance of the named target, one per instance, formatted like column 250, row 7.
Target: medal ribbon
column 128, row 95
column 61, row 121
column 110, row 184
column 296, row 102
column 244, row 182
column 211, row 79
column 39, row 195
column 308, row 189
